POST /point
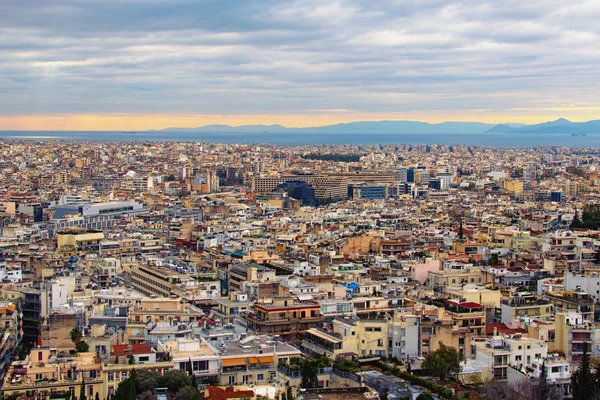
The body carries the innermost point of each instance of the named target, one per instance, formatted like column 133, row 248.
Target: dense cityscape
column 299, row 200
column 195, row 270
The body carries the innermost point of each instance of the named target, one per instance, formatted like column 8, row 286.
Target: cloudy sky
column 140, row 64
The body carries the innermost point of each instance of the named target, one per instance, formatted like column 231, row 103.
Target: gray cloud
column 270, row 56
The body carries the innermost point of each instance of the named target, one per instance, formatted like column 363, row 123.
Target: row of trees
column 590, row 218
column 332, row 157
column 141, row 384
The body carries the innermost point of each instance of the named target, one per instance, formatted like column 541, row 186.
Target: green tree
column 145, row 380
column 583, row 382
column 309, row 368
column 75, row 335
column 126, row 390
column 425, row 396
column 188, row 393
column 82, row 390
column 174, row 380
column 14, row 396
column 442, row 362
column 190, row 369
column 82, row 347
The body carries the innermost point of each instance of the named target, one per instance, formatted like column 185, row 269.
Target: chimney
column 495, row 331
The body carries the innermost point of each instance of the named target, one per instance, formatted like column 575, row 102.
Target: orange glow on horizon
column 142, row 122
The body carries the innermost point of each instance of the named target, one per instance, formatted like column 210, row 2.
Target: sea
column 509, row 140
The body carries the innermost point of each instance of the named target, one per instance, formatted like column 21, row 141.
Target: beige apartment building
column 349, row 337
column 43, row 373
column 156, row 281
column 454, row 275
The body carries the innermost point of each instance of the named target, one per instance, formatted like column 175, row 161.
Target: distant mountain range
column 559, row 126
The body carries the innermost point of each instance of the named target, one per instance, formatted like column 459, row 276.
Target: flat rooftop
column 173, row 347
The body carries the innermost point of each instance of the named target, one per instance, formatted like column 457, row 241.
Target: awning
column 265, row 359
column 234, row 362
column 252, row 360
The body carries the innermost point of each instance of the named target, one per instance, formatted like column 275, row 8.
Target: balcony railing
column 49, row 383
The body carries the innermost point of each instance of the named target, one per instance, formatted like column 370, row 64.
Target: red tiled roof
column 502, row 328
column 216, row 393
column 468, row 304
column 130, row 349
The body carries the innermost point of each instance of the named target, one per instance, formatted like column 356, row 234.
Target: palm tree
column 75, row 335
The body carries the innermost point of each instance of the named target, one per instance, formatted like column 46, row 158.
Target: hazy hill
column 560, row 125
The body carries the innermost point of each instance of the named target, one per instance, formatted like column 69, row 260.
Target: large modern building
column 368, row 192
column 92, row 215
column 326, row 187
column 299, row 190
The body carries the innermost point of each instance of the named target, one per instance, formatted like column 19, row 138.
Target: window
column 555, row 369
column 111, row 376
column 39, row 377
column 40, row 356
column 200, row 365
column 377, row 329
column 260, row 377
column 380, row 342
column 144, row 358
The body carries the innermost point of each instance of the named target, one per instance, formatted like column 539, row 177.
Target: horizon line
column 159, row 122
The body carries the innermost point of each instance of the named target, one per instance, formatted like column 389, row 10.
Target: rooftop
column 130, row 349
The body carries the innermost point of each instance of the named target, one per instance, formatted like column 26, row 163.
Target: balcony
column 278, row 321
column 317, row 348
column 295, row 305
column 43, row 384
column 208, row 372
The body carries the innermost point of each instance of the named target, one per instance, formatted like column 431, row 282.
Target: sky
column 152, row 64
